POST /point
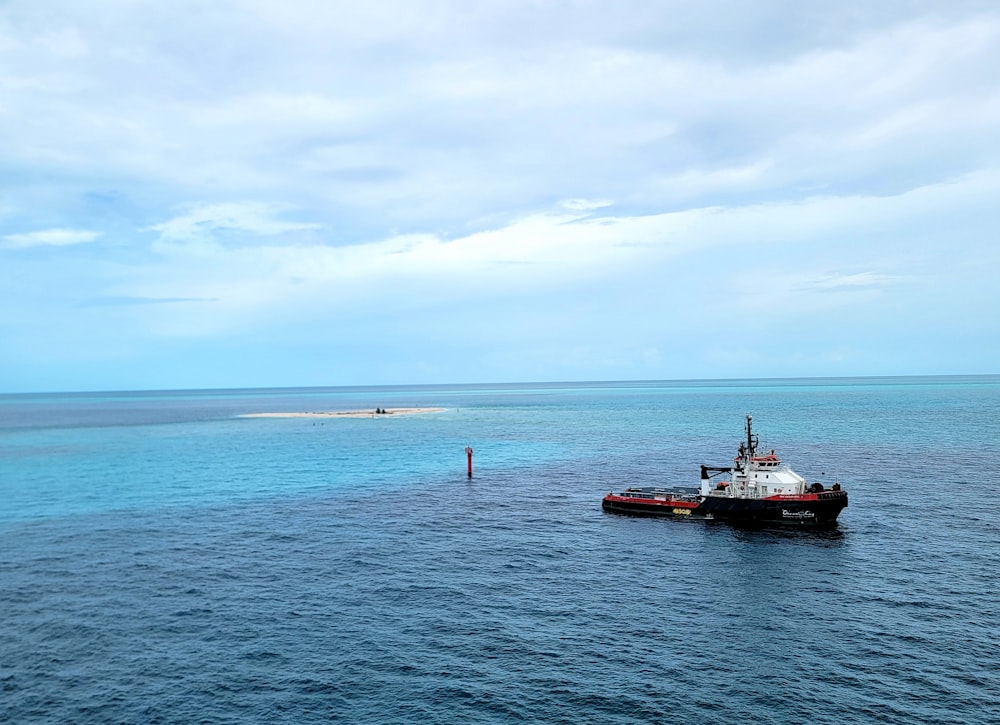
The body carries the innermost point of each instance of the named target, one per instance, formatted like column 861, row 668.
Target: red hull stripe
column 654, row 502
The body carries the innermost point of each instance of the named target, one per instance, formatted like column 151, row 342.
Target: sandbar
column 386, row 412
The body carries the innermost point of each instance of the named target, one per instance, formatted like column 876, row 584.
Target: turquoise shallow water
column 164, row 560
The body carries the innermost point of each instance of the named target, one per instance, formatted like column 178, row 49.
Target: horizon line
column 804, row 378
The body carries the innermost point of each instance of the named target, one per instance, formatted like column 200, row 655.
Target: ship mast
column 748, row 449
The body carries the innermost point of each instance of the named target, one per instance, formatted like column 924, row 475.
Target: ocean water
column 164, row 560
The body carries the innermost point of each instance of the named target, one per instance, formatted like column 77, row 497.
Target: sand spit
column 385, row 413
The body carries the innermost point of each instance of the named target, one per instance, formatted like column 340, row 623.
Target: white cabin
column 753, row 475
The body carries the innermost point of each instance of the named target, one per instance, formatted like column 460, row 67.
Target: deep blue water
column 163, row 560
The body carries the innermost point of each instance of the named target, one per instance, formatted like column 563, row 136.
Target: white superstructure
column 753, row 475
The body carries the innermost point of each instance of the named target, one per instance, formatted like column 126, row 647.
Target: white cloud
column 613, row 169
column 855, row 281
column 439, row 118
column 781, row 260
column 585, row 204
column 272, row 109
column 203, row 221
column 437, row 133
column 50, row 238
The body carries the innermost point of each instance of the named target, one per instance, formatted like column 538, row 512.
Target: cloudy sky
column 236, row 193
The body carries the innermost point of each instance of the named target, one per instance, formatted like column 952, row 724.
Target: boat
column 757, row 490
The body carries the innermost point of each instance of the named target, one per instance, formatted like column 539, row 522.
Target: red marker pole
column 468, row 452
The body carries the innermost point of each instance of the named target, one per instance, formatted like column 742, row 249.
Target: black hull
column 821, row 512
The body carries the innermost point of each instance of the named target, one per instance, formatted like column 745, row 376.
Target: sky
column 257, row 193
